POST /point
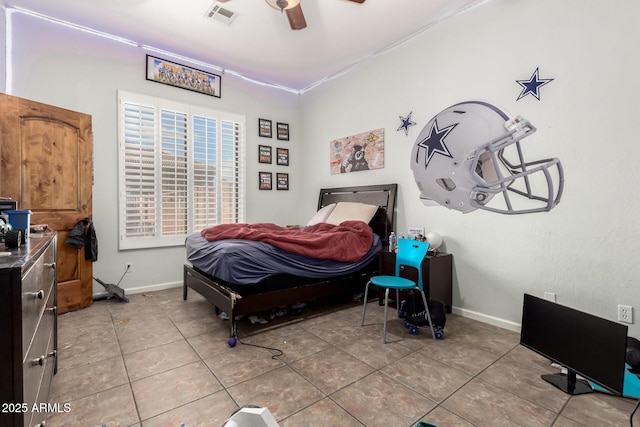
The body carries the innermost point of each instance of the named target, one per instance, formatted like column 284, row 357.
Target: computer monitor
column 584, row 344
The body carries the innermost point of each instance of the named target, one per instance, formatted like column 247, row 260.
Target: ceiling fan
column 293, row 9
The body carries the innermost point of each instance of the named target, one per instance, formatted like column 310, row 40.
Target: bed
column 282, row 288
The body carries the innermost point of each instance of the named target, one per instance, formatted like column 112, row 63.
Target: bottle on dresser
column 392, row 242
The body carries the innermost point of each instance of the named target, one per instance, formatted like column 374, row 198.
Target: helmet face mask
column 470, row 157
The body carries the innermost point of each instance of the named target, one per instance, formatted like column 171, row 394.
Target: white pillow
column 350, row 211
column 322, row 214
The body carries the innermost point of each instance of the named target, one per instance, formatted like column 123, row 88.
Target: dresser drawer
column 37, row 286
column 28, row 327
column 37, row 358
column 38, row 417
column 44, row 374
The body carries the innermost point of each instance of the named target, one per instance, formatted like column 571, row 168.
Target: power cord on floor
column 275, row 356
column 126, row 270
column 633, row 413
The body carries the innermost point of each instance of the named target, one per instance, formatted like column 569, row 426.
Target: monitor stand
column 568, row 383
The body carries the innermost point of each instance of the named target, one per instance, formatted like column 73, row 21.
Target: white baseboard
column 140, row 289
column 481, row 317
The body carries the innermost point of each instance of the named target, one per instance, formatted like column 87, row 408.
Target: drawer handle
column 37, row 295
column 42, row 424
column 53, row 309
column 51, row 265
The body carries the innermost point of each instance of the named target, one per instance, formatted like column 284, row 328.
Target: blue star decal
column 434, row 142
column 406, row 123
column 532, row 86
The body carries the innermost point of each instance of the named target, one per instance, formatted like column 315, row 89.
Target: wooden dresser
column 28, row 329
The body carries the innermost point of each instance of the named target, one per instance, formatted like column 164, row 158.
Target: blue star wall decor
column 406, row 123
column 434, row 142
column 532, row 86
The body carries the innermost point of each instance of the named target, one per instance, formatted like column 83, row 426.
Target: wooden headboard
column 383, row 196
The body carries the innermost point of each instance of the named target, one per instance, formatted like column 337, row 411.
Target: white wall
column 82, row 72
column 585, row 250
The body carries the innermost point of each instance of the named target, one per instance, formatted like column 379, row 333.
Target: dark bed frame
column 233, row 301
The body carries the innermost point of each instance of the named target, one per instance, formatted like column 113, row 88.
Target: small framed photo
column 264, row 154
column 264, row 182
column 282, row 156
column 264, row 128
column 283, row 131
column 282, row 181
column 414, row 232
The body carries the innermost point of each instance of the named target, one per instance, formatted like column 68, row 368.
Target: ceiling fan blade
column 296, row 18
column 357, row 1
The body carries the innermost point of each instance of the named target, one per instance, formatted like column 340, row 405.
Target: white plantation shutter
column 138, row 158
column 174, row 173
column 204, row 174
column 231, row 183
column 181, row 170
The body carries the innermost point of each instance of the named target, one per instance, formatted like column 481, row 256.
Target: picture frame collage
column 266, row 154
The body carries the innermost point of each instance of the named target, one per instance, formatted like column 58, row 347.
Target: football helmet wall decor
column 472, row 152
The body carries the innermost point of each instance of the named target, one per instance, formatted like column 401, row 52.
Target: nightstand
column 436, row 275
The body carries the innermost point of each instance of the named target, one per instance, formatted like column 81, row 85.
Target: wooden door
column 46, row 166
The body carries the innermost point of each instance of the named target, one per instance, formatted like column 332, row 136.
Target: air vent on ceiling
column 220, row 14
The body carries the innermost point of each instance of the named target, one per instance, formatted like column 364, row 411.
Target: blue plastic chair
column 410, row 253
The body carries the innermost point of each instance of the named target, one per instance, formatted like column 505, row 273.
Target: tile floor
column 162, row 361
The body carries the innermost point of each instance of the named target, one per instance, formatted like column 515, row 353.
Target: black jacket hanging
column 84, row 234
column 90, row 243
column 76, row 235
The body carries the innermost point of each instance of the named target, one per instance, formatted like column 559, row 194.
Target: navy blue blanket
column 248, row 262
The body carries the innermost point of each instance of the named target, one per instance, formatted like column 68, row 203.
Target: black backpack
column 633, row 354
column 412, row 310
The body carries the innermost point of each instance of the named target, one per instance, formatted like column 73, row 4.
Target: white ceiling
column 259, row 44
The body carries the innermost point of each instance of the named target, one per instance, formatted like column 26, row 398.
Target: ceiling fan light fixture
column 283, row 4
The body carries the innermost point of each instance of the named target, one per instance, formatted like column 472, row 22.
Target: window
column 181, row 169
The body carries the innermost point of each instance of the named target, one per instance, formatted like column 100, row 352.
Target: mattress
column 246, row 262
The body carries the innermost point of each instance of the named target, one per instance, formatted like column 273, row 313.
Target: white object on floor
column 252, row 417
column 564, row 370
column 256, row 319
column 225, row 316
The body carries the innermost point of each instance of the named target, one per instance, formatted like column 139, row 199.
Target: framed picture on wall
column 264, row 128
column 282, row 156
column 264, row 182
column 283, row 131
column 360, row 152
column 282, row 181
column 264, row 154
column 174, row 74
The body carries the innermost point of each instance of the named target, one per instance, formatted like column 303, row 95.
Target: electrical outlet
column 129, row 267
column 550, row 296
column 625, row 313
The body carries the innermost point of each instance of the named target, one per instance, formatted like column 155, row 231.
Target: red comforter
column 347, row 242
